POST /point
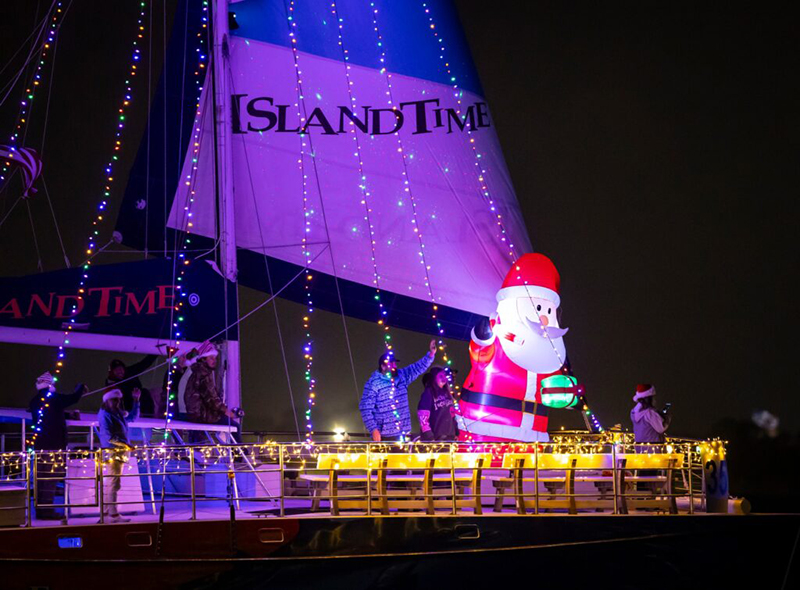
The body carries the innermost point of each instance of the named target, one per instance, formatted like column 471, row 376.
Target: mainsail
column 361, row 127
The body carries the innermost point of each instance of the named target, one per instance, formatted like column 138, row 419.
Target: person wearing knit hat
column 384, row 402
column 649, row 425
column 514, row 354
column 112, row 429
column 49, row 433
column 125, row 378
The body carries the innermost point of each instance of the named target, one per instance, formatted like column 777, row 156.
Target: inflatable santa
column 519, row 362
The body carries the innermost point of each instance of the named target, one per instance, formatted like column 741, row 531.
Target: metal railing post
column 281, row 466
column 691, row 486
column 28, row 476
column 536, row 478
column 192, row 484
column 453, row 488
column 614, row 476
column 369, row 481
column 98, row 469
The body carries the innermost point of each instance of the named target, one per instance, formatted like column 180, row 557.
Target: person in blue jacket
column 113, row 432
column 384, row 403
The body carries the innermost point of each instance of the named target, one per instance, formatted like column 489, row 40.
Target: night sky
column 649, row 145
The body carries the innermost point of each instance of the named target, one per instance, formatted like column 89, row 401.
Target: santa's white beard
column 534, row 352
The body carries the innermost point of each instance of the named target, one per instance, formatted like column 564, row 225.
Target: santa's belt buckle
column 528, row 407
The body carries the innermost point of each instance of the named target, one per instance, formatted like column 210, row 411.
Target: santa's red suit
column 501, row 401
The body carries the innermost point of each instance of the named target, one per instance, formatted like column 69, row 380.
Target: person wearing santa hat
column 203, row 402
column 113, row 432
column 49, row 433
column 514, row 356
column 649, row 425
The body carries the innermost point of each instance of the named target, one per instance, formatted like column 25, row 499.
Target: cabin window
column 70, row 542
column 270, row 535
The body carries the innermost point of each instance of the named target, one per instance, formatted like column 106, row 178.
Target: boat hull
column 602, row 550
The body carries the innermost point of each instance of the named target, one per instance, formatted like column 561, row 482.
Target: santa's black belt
column 504, row 403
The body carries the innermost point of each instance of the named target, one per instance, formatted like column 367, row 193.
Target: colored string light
column 101, row 208
column 26, row 104
column 407, row 187
column 182, row 262
column 366, row 195
column 481, row 173
column 308, row 214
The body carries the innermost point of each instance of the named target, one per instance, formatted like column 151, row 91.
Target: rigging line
column 165, row 76
column 52, row 70
column 180, row 232
column 335, row 275
column 55, row 222
column 179, row 161
column 11, row 209
column 36, row 27
column 35, row 240
column 35, row 47
column 791, row 559
column 147, row 141
column 467, row 216
column 223, row 331
column 269, row 275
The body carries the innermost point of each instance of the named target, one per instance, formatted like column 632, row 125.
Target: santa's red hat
column 644, row 390
column 533, row 275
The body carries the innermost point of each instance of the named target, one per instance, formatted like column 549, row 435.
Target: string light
column 365, row 201
column 182, row 262
column 480, row 170
column 308, row 213
column 407, row 188
column 26, row 104
column 101, row 208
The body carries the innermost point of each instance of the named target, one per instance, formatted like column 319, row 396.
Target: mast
column 224, row 185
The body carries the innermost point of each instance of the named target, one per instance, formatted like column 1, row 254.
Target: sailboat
column 338, row 151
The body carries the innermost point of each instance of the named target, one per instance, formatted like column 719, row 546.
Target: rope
column 269, row 277
column 55, row 222
column 12, row 207
column 223, row 331
column 35, row 240
column 35, row 47
column 147, row 140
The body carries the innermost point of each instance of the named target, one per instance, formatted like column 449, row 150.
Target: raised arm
column 415, row 370
column 142, row 365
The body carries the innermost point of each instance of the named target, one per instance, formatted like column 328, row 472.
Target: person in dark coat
column 436, row 409
column 119, row 377
column 49, row 433
column 203, row 402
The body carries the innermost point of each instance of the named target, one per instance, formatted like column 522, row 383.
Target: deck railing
column 358, row 478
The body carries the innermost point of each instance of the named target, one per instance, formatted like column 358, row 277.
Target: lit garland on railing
column 26, row 104
column 101, row 208
column 182, row 262
column 365, row 199
column 308, row 213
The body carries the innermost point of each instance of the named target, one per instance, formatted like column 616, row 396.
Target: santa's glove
column 427, row 436
column 482, row 330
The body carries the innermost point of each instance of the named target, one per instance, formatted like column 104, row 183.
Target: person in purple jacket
column 436, row 410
